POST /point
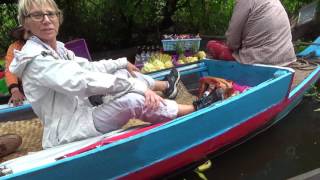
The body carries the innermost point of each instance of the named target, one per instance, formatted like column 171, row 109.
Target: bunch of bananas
column 201, row 55
column 157, row 62
column 184, row 60
column 189, row 59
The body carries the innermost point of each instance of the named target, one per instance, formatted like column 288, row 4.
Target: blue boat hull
column 172, row 145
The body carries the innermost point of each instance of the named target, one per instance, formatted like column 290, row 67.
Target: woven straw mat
column 31, row 133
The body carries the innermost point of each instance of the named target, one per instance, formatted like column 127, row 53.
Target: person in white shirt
column 58, row 84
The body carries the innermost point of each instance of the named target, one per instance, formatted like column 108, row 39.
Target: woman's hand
column 131, row 68
column 17, row 97
column 153, row 100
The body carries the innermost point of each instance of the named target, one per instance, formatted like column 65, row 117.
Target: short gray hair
column 24, row 7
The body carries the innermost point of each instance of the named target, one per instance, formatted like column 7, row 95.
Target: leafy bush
column 8, row 21
column 115, row 24
column 293, row 6
column 122, row 23
column 201, row 16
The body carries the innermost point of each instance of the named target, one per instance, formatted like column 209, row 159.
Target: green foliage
column 121, row 23
column 107, row 24
column 314, row 93
column 7, row 21
column 201, row 16
column 301, row 44
column 112, row 23
column 293, row 6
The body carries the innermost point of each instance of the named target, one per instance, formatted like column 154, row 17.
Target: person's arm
column 105, row 66
column 237, row 23
column 108, row 66
column 69, row 77
column 17, row 96
column 12, row 80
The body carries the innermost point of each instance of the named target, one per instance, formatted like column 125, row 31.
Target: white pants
column 111, row 116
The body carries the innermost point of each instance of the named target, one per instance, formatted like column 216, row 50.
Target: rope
column 297, row 43
column 307, row 62
column 303, row 64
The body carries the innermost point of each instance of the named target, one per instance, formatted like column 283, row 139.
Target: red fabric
column 218, row 83
column 239, row 88
column 1, row 74
column 219, row 50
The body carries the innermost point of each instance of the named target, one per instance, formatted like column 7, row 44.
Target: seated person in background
column 58, row 84
column 13, row 83
column 259, row 33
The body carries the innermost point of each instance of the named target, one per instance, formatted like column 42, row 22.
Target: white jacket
column 57, row 84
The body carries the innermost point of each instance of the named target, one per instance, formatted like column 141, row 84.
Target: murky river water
column 287, row 149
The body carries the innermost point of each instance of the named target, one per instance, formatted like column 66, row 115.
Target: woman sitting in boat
column 259, row 33
column 58, row 84
column 13, row 83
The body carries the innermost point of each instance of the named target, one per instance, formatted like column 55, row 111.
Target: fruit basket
column 185, row 44
column 181, row 42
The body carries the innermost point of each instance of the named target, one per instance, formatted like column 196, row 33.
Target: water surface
column 289, row 148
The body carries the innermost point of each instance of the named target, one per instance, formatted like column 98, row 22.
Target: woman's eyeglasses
column 39, row 16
